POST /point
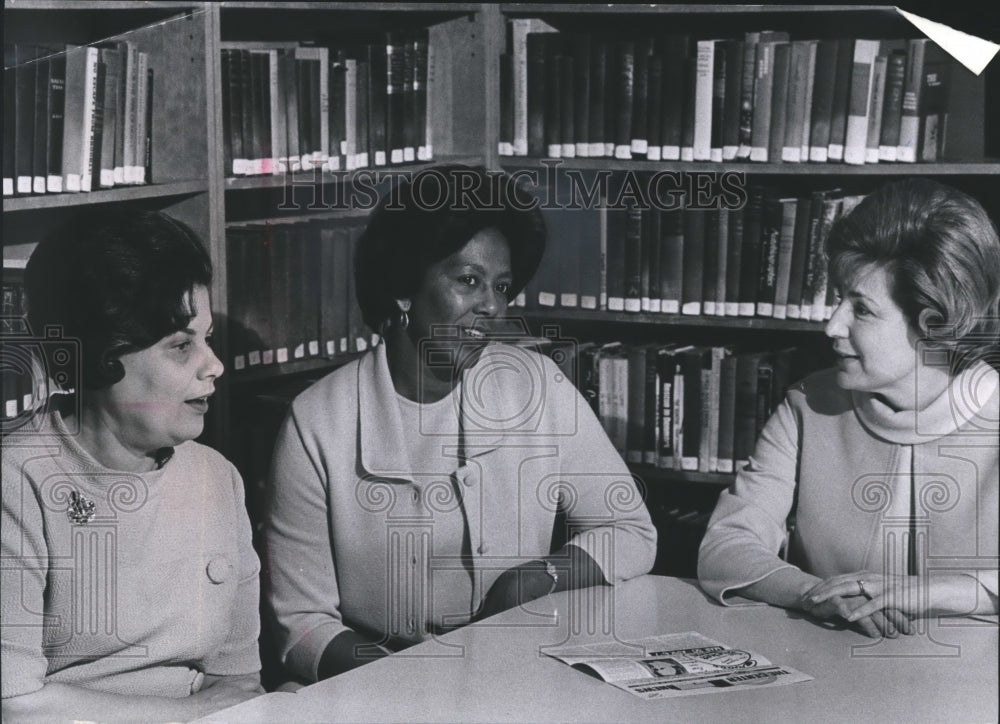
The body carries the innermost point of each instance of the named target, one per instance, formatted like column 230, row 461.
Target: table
column 493, row 671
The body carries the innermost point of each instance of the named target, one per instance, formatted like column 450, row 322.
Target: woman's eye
column 469, row 280
column 183, row 346
column 503, row 287
column 860, row 310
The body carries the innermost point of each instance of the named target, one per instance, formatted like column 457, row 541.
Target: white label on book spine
column 361, row 344
column 794, row 311
column 765, row 309
column 687, row 153
column 670, row 153
column 732, row 309
column 380, row 159
column 758, row 154
column 887, row 153
column 554, row 150
column 10, row 408
column 8, row 187
column 38, row 185
column 299, row 351
column 709, row 309
column 254, row 358
column 871, row 155
column 653, row 153
column 595, row 150
column 331, row 348
column 313, row 347
column 107, row 178
column 567, row 299
column 410, row 154
column 616, row 304
column 568, row 150
column 791, row 154
column 729, row 153
column 747, row 309
column 281, row 354
column 691, row 308
column 588, row 301
column 640, row 146
column 835, row 152
column 582, row 149
column 716, row 155
column 546, row 299
column 520, row 149
column 24, row 184
column 623, row 152
column 670, row 306
column 505, row 148
column 817, row 154
column 267, row 356
column 395, row 157
column 655, row 305
column 644, row 304
column 239, row 362
column 780, row 311
column 633, row 305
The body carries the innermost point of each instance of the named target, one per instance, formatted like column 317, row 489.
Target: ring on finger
column 861, row 589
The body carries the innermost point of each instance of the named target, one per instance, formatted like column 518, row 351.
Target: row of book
column 17, row 366
column 289, row 107
column 76, row 118
column 763, row 97
column 766, row 259
column 686, row 407
column 291, row 293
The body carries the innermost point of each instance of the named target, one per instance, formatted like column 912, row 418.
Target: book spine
column 831, row 211
column 694, row 361
column 694, row 261
column 779, row 101
column 734, row 262
column 637, row 402
column 581, row 93
column 614, row 243
column 841, row 99
column 362, row 133
column 639, row 143
column 749, row 74
column 727, row 414
column 55, row 122
column 909, row 122
column 808, row 102
column 97, row 126
column 718, row 99
column 671, row 260
column 859, row 102
column 770, row 230
column 704, row 71
column 875, row 103
column 567, row 106
column 750, row 258
column 142, row 117
column 395, row 73
column 633, row 260
column 596, row 119
column 79, row 119
column 710, row 260
column 624, row 98
column 733, row 97
column 688, row 120
column 786, row 242
column 892, row 109
column 822, row 105
column 505, row 142
column 722, row 261
column 410, row 85
column 9, row 120
column 378, row 73
column 791, row 150
column 934, row 106
column 667, row 370
column 25, row 72
column 800, row 251
column 763, row 92
column 129, row 119
column 536, row 94
column 654, row 123
column 423, row 57
column 111, row 58
column 40, row 95
column 673, row 111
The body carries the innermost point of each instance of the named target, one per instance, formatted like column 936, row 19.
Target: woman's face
column 163, row 398
column 470, row 285
column 874, row 343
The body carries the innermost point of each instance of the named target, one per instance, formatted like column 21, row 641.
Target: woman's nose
column 837, row 324
column 213, row 366
column 491, row 303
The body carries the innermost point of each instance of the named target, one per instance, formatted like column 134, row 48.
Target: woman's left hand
column 868, row 592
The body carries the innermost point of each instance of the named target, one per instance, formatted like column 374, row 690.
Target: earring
column 404, row 319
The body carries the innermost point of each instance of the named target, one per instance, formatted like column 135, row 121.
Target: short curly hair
column 941, row 252
column 117, row 280
column 424, row 218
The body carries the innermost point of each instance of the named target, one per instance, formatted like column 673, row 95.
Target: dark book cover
column 710, row 256
column 779, row 101
column 676, row 51
column 786, row 243
column 596, row 120
column 841, row 99
column 286, row 302
column 892, row 106
column 54, row 122
column 750, row 257
column 588, row 356
column 590, row 258
column 624, row 95
column 694, row 261
column 734, row 261
column 39, row 154
column 745, row 419
column 800, row 78
column 934, row 104
column 814, row 278
column 640, row 98
column 668, row 370
column 421, row 52
column 25, row 72
column 360, row 334
column 147, row 140
column 747, row 84
column 569, row 255
column 765, row 393
column 633, row 259
column 262, row 288
column 304, row 76
column 377, row 92
column 763, row 96
column 410, row 140
column 581, row 43
column 650, row 280
column 688, row 108
column 727, row 414
column 654, row 109
column 651, row 406
column 505, row 141
column 239, row 295
column 289, row 84
column 821, row 114
column 395, row 72
column 615, row 243
column 637, row 401
column 338, row 113
column 721, row 261
column 362, row 117
column 732, row 53
column 332, row 289
column 262, row 108
column 719, row 84
column 9, row 118
column 567, row 106
column 671, row 260
column 694, row 361
column 228, row 142
column 310, row 246
column 800, row 252
column 97, row 125
column 537, row 93
column 249, row 90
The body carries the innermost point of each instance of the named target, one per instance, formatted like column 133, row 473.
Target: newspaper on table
column 669, row 665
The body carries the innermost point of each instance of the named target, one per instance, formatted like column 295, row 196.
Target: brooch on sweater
column 81, row 509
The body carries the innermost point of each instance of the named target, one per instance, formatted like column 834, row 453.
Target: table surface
column 495, row 671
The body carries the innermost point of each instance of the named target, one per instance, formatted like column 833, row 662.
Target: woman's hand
column 221, row 692
column 854, row 597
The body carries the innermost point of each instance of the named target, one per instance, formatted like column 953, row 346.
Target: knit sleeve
column 22, row 582
column 749, row 524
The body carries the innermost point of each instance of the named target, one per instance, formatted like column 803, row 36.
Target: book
column 913, row 82
column 395, row 83
column 800, row 251
column 589, row 257
column 637, row 401
column 859, row 106
column 734, row 261
column 745, row 417
column 733, row 93
column 892, row 107
column 553, row 97
column 841, row 98
column 126, row 174
column 654, row 123
column 763, row 93
column 671, row 260
column 722, row 261
column 377, row 109
column 639, row 143
column 750, row 254
column 779, row 101
column 81, row 82
column 363, row 136
column 580, row 49
column 801, row 61
column 821, row 114
column 688, row 118
column 423, row 108
column 26, row 67
column 649, row 286
column 536, row 93
column 410, row 86
column 876, row 99
column 831, row 210
column 319, row 98
column 749, row 73
column 670, row 377
column 111, row 58
column 933, row 111
column 54, row 121
column 710, row 261
column 725, row 455
column 40, row 100
column 703, row 90
column 786, row 245
column 616, row 229
column 674, row 95
column 815, row 256
column 505, row 134
column 719, row 82
column 519, row 28
column 708, row 453
column 232, row 137
column 624, row 97
column 96, row 142
column 613, row 394
column 696, row 364
column 633, row 259
column 694, row 261
column 144, row 171
column 567, row 106
column 770, row 231
column 9, row 119
column 597, row 121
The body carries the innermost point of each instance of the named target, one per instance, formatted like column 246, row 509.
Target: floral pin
column 81, row 509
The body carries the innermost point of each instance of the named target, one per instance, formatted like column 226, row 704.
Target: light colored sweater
column 158, row 589
column 838, row 460
column 357, row 537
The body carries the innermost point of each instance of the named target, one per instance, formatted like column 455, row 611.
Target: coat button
column 219, row 569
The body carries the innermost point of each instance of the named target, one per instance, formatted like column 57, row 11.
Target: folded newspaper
column 679, row 664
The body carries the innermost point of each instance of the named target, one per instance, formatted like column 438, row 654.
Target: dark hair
column 423, row 219
column 941, row 253
column 118, row 281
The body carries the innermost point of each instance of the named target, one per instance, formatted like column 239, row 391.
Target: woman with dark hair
column 871, row 497
column 130, row 585
column 416, row 489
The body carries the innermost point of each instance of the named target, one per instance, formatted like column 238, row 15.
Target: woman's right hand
column 888, row 622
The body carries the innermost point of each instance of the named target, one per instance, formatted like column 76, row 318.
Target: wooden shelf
column 107, row 196
column 672, row 320
column 407, row 7
column 259, row 373
column 681, row 8
column 653, row 476
column 989, row 167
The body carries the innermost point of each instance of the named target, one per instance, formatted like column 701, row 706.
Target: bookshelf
column 189, row 178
